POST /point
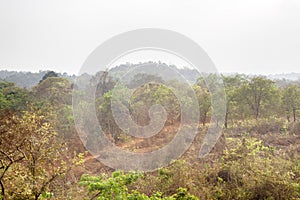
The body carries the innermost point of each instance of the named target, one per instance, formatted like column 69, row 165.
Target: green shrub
column 255, row 173
column 116, row 187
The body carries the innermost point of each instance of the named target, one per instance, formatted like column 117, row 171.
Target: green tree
column 4, row 103
column 48, row 75
column 104, row 111
column 258, row 93
column 141, row 79
column 291, row 100
column 204, row 100
column 56, row 91
column 13, row 97
column 212, row 86
column 232, row 85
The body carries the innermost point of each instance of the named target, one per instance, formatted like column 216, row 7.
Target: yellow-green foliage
column 256, row 171
column 116, row 187
column 247, row 170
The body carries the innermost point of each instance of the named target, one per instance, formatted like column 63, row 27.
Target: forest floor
column 282, row 142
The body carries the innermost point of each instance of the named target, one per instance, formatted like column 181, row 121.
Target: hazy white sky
column 254, row 36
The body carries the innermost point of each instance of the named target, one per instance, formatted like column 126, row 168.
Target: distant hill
column 26, row 79
column 166, row 72
column 288, row 76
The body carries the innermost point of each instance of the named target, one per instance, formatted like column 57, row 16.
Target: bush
column 255, row 173
column 261, row 126
column 116, row 187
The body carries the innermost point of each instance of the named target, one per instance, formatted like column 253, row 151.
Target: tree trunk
column 226, row 120
column 2, row 190
column 204, row 119
column 256, row 113
column 294, row 114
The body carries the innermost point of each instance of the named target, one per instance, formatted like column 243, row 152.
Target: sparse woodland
column 257, row 156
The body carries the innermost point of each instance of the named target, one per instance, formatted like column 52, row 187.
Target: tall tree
column 48, row 75
column 57, row 91
column 232, row 85
column 204, row 100
column 291, row 100
column 258, row 92
column 13, row 97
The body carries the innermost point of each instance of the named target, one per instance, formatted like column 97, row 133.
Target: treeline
column 247, row 98
column 28, row 79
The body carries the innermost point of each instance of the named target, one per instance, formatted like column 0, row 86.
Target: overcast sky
column 255, row 36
